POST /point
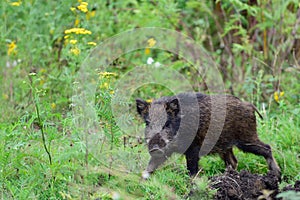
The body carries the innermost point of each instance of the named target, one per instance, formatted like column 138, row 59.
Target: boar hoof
column 146, row 175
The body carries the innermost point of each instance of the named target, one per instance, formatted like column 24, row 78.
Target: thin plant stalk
column 42, row 131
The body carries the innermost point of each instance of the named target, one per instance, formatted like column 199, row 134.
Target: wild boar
column 181, row 123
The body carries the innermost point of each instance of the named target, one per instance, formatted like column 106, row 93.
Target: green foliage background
column 256, row 44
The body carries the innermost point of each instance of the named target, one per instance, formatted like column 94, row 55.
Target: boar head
column 162, row 119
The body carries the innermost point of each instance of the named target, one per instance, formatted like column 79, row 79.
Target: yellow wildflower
column 16, row 3
column 73, row 41
column 78, row 31
column 83, row 7
column 11, row 48
column 107, row 74
column 149, row 100
column 277, row 95
column 90, row 14
column 75, row 51
column 104, row 85
column 53, row 105
column 66, row 36
column 92, row 43
column 151, row 42
column 147, row 51
column 72, row 9
column 111, row 92
column 276, row 98
column 77, row 21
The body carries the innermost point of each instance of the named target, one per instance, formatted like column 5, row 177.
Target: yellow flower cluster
column 151, row 42
column 53, row 105
column 18, row 3
column 105, row 85
column 70, row 37
column 78, row 31
column 277, row 95
column 11, row 48
column 75, row 51
column 107, row 74
column 83, row 7
column 73, row 41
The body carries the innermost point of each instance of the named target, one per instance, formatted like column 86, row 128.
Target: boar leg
column 229, row 158
column 192, row 158
column 262, row 149
column 152, row 165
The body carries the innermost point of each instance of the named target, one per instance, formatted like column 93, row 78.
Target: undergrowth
column 44, row 156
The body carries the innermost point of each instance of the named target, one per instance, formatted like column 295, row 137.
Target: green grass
column 40, row 72
column 26, row 172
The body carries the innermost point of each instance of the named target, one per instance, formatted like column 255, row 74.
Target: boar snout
column 156, row 152
column 154, row 148
column 156, row 144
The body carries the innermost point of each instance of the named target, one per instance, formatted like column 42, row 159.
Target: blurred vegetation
column 255, row 43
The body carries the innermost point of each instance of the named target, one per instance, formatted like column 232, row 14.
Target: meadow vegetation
column 44, row 43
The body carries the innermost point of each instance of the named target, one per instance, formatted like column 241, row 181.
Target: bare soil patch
column 233, row 185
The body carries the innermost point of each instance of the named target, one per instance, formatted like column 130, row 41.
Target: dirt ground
column 243, row 185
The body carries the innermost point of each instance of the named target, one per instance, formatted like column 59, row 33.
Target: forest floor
column 235, row 185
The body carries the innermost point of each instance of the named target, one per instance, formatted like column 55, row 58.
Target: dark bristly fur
column 163, row 117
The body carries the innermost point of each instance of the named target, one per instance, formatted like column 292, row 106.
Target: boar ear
column 141, row 106
column 173, row 106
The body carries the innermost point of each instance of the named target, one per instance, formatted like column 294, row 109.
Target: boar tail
column 256, row 110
